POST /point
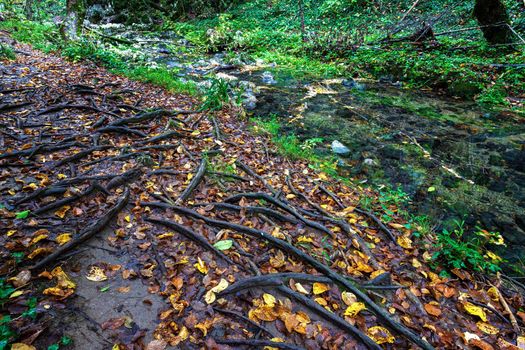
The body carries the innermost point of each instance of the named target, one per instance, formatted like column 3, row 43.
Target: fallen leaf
column 22, row 346
column 63, row 238
column 201, row 266
column 487, row 328
column 475, row 310
column 433, row 309
column 320, row 288
column 224, row 245
column 380, row 335
column 269, row 299
column 96, row 274
column 156, row 345
column 61, row 213
column 354, row 309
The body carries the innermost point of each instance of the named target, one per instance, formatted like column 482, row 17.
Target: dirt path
column 144, row 224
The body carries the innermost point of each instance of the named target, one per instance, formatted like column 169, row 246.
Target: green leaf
column 224, row 245
column 53, row 347
column 22, row 214
column 65, row 340
column 431, row 189
column 104, row 289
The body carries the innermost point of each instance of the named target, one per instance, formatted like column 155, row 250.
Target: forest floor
column 131, row 220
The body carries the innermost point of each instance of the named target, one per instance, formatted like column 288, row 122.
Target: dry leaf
column 380, row 335
column 475, row 310
column 320, row 288
column 354, row 309
column 96, row 274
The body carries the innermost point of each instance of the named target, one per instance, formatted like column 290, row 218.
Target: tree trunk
column 28, row 9
column 494, row 21
column 301, row 15
column 75, row 13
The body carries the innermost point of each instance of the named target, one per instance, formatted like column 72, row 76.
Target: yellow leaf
column 203, row 328
column 62, row 211
column 10, row 233
column 290, row 196
column 201, row 266
column 61, row 176
column 475, row 310
column 521, row 342
column 304, row 239
column 96, row 274
column 165, row 235
column 404, row 242
column 127, row 218
column 37, row 252
column 321, row 301
column 22, row 346
column 38, row 239
column 223, row 284
column 380, row 335
column 63, row 238
column 487, row 328
column 195, row 133
column 184, row 333
column 16, row 294
column 269, row 299
column 320, row 288
column 354, row 309
column 493, row 293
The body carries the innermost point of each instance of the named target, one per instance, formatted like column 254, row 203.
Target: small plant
column 216, row 96
column 454, row 251
column 6, row 52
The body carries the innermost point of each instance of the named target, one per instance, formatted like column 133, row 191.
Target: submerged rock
column 267, row 78
column 340, row 149
column 352, row 84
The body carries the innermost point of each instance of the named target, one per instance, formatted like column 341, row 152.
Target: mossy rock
column 465, row 89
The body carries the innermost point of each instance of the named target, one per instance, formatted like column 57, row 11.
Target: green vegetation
column 455, row 251
column 349, row 38
column 6, row 52
column 45, row 37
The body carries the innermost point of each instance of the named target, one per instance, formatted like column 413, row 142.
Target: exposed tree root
column 290, row 249
column 252, row 343
column 191, row 236
column 194, row 182
column 247, row 320
column 87, row 233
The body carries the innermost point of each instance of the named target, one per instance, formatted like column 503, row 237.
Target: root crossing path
column 189, row 231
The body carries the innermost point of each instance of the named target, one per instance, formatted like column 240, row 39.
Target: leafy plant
column 456, row 251
column 216, row 96
column 6, row 52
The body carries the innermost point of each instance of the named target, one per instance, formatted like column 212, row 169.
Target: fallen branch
column 87, row 233
column 251, row 209
column 67, row 200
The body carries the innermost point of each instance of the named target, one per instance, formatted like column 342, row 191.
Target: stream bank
column 456, row 160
